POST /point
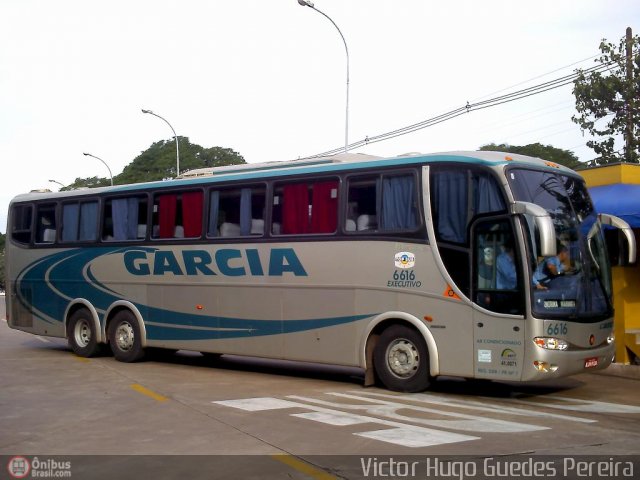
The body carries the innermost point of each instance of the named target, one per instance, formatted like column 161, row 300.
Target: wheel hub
column 403, row 358
column 82, row 333
column 125, row 336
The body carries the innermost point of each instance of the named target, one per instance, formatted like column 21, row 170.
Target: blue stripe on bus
column 72, row 278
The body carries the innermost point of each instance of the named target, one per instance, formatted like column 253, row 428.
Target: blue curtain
column 125, row 218
column 88, row 221
column 398, row 203
column 245, row 211
column 451, row 199
column 214, row 208
column 487, row 195
column 70, row 217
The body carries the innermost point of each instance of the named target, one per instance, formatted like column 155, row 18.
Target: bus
column 482, row 265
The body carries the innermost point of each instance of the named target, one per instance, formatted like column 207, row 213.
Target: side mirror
column 543, row 222
column 606, row 219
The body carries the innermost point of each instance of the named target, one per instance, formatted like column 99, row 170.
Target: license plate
column 591, row 362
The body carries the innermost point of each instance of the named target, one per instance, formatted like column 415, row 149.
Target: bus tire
column 401, row 360
column 81, row 334
column 125, row 338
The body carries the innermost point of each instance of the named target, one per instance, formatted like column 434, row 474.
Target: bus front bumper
column 542, row 363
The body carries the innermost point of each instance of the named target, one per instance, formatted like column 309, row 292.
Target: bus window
column 497, row 277
column 125, row 219
column 236, row 212
column 387, row 203
column 80, row 221
column 21, row 223
column 46, row 223
column 178, row 215
column 303, row 208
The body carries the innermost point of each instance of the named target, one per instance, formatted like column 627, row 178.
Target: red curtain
column 167, row 215
column 324, row 209
column 192, row 213
column 295, row 209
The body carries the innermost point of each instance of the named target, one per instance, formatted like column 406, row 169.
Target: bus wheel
column 81, row 334
column 125, row 338
column 401, row 360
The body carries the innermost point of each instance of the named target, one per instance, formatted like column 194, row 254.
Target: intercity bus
column 409, row 268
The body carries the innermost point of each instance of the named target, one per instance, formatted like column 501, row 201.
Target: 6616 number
column 404, row 275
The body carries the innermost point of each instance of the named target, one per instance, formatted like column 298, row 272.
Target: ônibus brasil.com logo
column 18, row 467
column 21, row 467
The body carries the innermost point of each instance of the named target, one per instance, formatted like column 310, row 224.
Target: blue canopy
column 619, row 199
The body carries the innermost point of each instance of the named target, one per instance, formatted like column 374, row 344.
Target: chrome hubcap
column 125, row 336
column 82, row 333
column 403, row 358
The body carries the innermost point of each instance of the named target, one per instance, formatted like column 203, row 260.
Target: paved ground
column 292, row 419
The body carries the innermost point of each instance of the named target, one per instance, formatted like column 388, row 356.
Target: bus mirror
column 543, row 222
column 606, row 219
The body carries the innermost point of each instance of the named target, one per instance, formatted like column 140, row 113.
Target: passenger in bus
column 550, row 268
column 506, row 278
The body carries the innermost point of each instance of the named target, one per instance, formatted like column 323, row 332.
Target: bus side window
column 79, row 221
column 125, row 219
column 305, row 208
column 21, row 217
column 178, row 215
column 236, row 212
column 46, row 223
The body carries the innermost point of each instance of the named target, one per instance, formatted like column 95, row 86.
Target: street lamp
column 306, row 3
column 105, row 164
column 55, row 181
column 174, row 136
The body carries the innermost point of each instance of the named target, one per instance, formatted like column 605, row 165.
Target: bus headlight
column 551, row 343
column 611, row 338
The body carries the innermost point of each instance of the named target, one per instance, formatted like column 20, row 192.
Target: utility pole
column 629, row 154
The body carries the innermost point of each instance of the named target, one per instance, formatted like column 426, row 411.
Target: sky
column 267, row 78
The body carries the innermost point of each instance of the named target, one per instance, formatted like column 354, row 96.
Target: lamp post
column 174, row 136
column 105, row 164
column 59, row 183
column 306, row 3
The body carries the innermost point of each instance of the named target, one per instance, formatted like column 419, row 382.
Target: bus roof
column 332, row 164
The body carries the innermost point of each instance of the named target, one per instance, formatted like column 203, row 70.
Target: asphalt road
column 284, row 419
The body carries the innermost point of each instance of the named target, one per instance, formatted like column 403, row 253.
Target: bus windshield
column 576, row 283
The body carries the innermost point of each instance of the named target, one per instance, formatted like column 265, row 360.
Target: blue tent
column 619, row 199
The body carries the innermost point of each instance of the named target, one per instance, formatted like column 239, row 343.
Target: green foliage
column 91, row 182
column 604, row 101
column 158, row 162
column 546, row 152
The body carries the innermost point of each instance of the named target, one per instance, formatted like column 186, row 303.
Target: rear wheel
column 81, row 334
column 125, row 338
column 401, row 360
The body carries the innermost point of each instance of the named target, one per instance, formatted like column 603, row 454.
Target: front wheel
column 125, row 338
column 401, row 360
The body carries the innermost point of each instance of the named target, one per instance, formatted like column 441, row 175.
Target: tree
column 158, row 162
column 546, row 152
column 607, row 102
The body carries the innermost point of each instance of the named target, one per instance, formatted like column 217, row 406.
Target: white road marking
column 258, row 404
column 483, row 406
column 400, row 434
column 591, row 406
column 466, row 423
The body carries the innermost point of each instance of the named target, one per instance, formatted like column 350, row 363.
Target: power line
column 470, row 107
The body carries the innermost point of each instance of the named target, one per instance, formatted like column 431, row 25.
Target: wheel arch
column 80, row 303
column 376, row 327
column 119, row 306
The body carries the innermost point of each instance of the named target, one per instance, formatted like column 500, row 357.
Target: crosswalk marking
column 425, row 419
